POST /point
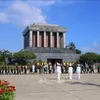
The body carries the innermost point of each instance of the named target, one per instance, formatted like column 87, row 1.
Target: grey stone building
column 47, row 41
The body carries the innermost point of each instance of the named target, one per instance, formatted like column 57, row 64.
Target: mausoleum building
column 48, row 42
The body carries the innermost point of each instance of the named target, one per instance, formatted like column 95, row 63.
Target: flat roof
column 44, row 27
column 44, row 24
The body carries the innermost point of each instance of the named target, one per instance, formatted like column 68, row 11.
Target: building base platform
column 61, row 54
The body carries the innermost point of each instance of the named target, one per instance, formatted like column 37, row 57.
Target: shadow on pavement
column 84, row 83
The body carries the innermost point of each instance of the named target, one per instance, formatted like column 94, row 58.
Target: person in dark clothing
column 31, row 68
column 40, row 68
column 19, row 69
column 91, row 69
column 25, row 70
column 53, row 68
column 36, row 69
column 8, row 70
column 22, row 69
column 87, row 68
column 82, row 68
column 14, row 70
column 50, row 68
column 5, row 70
column 0, row 70
column 11, row 70
column 98, row 68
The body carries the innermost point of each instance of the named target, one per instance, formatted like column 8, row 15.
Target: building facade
column 48, row 42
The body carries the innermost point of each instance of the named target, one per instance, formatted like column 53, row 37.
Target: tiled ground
column 46, row 87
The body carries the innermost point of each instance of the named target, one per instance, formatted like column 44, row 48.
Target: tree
column 78, row 51
column 89, row 57
column 98, row 58
column 1, row 58
column 0, row 55
column 22, row 56
column 4, row 56
column 71, row 46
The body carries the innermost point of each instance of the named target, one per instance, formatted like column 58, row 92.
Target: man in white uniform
column 70, row 72
column 58, row 70
column 33, row 68
column 78, row 71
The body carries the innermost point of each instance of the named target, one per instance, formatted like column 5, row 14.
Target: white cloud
column 4, row 18
column 94, row 48
column 24, row 13
column 95, row 44
column 41, row 3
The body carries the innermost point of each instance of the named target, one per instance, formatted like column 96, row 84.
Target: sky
column 80, row 17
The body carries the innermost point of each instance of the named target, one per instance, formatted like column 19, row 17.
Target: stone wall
column 55, row 53
column 65, row 57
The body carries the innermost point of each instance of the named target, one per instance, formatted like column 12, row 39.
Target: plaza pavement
column 46, row 87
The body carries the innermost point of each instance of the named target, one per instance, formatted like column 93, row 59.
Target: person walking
column 46, row 69
column 25, row 69
column 78, row 71
column 92, row 68
column 33, row 68
column 87, row 67
column 70, row 72
column 50, row 68
column 98, row 68
column 58, row 70
column 82, row 68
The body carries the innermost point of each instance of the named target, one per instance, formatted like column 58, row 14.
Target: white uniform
column 70, row 72
column 4, row 72
column 33, row 68
column 58, row 71
column 78, row 71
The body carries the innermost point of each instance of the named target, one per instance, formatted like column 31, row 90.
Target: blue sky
column 80, row 17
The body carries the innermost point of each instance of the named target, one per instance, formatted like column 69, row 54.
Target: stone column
column 37, row 38
column 64, row 39
column 30, row 38
column 51, row 39
column 44, row 38
column 57, row 39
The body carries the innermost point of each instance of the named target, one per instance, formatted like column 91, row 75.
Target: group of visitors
column 70, row 71
column 48, row 68
column 89, row 68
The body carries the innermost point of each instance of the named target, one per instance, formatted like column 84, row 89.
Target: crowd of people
column 48, row 69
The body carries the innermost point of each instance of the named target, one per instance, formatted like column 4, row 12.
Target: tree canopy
column 89, row 57
column 98, row 58
column 20, row 57
column 71, row 46
column 78, row 51
column 0, row 55
column 4, row 56
column 24, row 55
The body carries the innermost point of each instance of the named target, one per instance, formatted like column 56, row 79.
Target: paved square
column 46, row 87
